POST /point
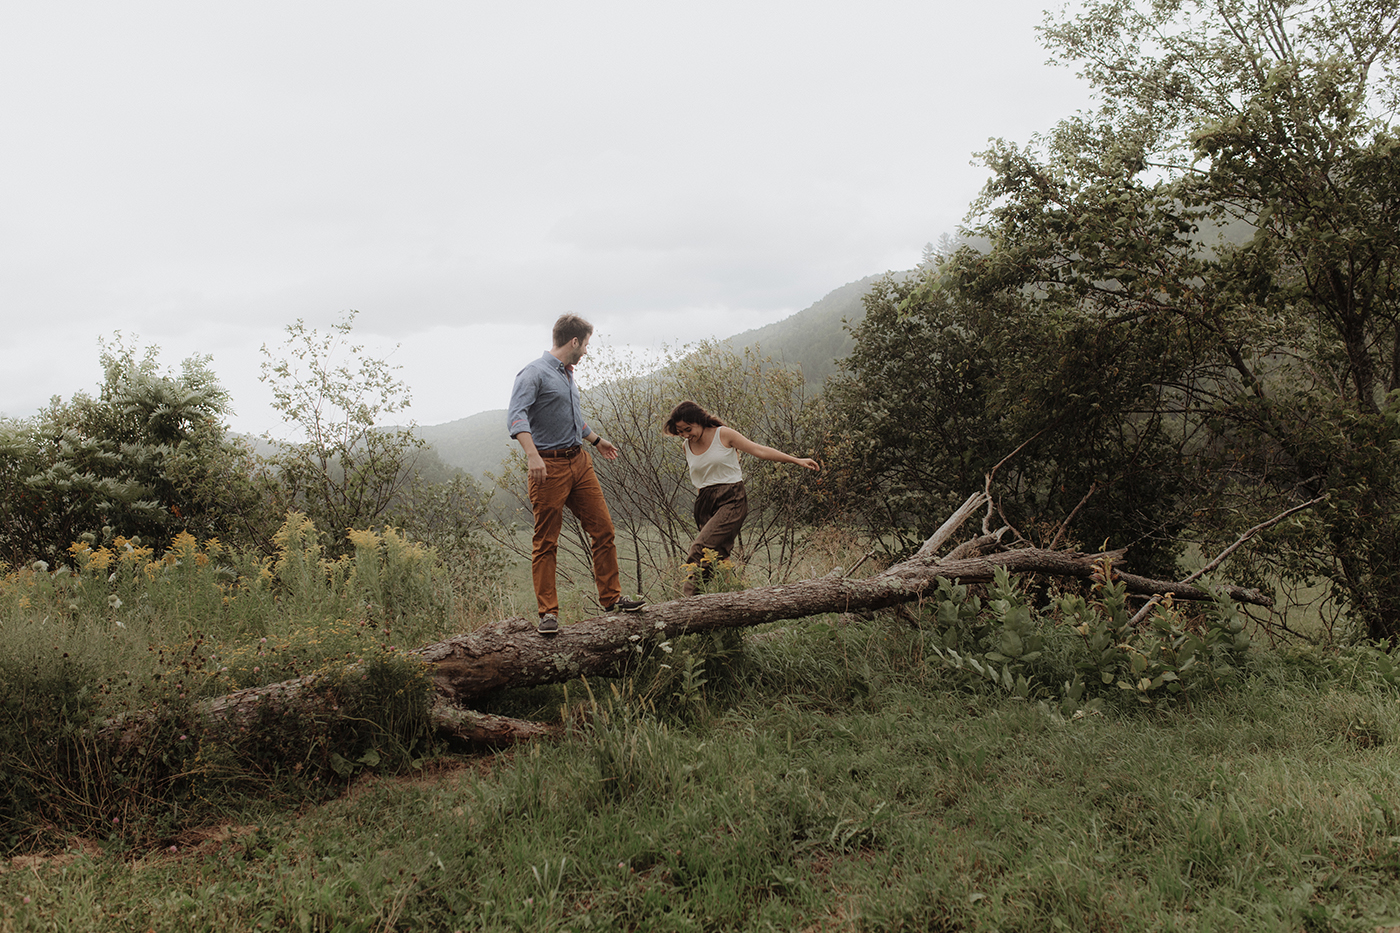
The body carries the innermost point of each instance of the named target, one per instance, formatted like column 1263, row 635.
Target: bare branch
column 1220, row 558
column 1064, row 525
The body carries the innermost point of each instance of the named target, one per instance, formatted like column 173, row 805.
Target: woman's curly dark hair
column 691, row 413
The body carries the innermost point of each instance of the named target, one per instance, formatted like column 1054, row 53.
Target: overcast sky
column 199, row 175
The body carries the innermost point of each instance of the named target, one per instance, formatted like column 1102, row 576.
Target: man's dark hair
column 690, row 413
column 570, row 326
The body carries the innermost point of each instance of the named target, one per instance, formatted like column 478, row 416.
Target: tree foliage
column 148, row 457
column 1227, row 223
column 942, row 389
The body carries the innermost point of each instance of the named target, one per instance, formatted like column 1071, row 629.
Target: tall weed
column 104, row 662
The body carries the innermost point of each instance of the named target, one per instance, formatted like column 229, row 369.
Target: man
column 547, row 420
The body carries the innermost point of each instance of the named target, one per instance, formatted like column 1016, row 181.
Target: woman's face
column 691, row 432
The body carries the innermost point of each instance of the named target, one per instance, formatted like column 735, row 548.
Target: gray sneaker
column 626, row 604
column 548, row 625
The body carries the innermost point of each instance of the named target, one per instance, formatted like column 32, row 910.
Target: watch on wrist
column 597, row 440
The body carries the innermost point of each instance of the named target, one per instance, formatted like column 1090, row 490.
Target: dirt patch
column 77, row 848
column 433, row 773
column 204, row 840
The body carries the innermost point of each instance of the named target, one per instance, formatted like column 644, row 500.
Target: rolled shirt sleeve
column 522, row 396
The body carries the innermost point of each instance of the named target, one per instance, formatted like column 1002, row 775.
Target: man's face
column 576, row 350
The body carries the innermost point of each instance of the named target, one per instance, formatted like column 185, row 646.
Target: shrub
column 1086, row 650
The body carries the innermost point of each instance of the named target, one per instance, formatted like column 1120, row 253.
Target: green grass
column 835, row 774
column 843, row 782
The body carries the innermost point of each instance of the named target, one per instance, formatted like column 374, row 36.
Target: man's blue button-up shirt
column 545, row 403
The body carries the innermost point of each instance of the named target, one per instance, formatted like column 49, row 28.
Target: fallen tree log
column 470, row 666
column 511, row 654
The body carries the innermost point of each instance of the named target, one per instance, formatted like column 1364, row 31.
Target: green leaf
column 341, row 765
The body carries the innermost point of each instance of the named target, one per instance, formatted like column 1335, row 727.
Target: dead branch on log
column 1064, row 525
column 978, row 545
column 1220, row 558
column 954, row 521
column 473, row 728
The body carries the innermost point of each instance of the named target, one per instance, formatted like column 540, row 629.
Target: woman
column 712, row 453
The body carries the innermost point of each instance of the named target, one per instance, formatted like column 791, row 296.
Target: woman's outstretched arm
column 732, row 438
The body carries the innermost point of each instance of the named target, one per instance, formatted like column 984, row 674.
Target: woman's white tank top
column 718, row 464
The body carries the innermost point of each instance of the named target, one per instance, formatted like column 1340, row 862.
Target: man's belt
column 561, row 452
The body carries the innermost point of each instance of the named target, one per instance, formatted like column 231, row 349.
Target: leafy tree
column 148, row 457
column 646, row 487
column 1233, row 208
column 346, row 471
column 452, row 516
column 766, row 402
column 941, row 390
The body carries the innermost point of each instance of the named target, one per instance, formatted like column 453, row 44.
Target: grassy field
column 835, row 774
column 843, row 785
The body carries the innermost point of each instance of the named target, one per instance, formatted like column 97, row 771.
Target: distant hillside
column 811, row 340
column 477, row 443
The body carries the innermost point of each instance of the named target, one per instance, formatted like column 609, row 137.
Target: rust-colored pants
column 571, row 482
column 720, row 511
